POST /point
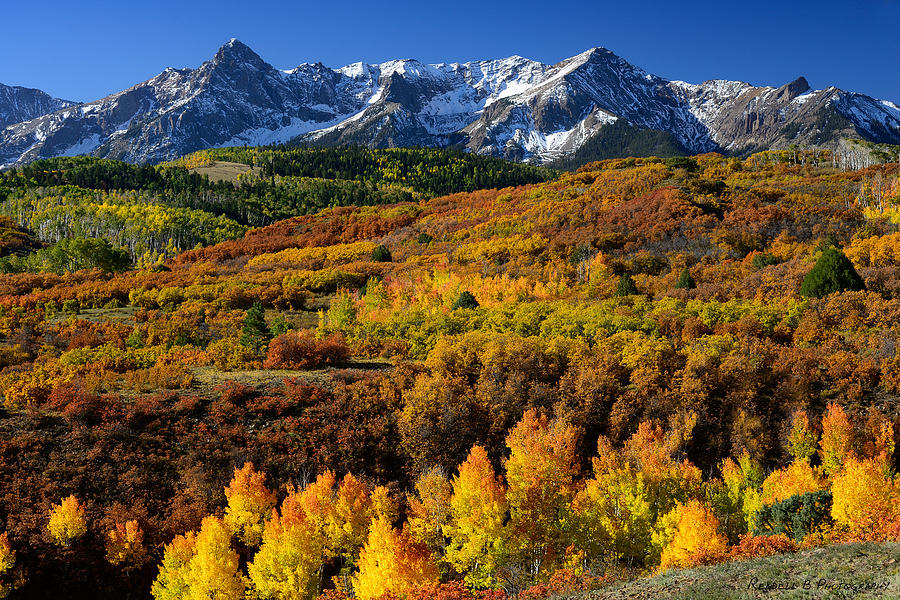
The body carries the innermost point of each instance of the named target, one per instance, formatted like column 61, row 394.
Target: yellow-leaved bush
column 689, row 535
column 67, row 521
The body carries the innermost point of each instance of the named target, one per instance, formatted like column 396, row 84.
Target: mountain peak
column 236, row 50
column 791, row 90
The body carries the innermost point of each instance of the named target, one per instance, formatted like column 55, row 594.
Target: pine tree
column 626, row 287
column 465, row 300
column 381, row 254
column 255, row 334
column 685, row 281
column 833, row 272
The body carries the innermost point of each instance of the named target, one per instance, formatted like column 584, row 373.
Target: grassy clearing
column 839, row 572
column 206, row 378
column 220, row 170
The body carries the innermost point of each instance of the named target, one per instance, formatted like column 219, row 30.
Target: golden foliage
column 67, row 521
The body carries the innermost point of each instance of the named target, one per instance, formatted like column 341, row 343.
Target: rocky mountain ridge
column 514, row 107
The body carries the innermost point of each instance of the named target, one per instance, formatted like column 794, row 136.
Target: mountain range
column 514, row 107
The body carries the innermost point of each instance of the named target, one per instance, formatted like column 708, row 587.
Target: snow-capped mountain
column 19, row 104
column 513, row 107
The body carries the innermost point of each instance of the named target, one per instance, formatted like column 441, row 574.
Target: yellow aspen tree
column 689, row 535
column 212, row 572
column 611, row 514
column 171, row 583
column 289, row 561
column 342, row 515
column 67, row 521
column 392, row 562
column 382, row 505
column 802, row 440
column 475, row 525
column 742, row 480
column 249, row 504
column 429, row 508
column 864, row 498
column 540, row 476
column 7, row 560
column 796, row 478
column 837, row 439
column 125, row 545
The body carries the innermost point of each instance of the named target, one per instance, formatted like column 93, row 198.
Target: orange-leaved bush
column 301, row 350
column 125, row 545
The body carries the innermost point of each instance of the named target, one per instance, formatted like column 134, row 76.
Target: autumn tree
column 125, row 545
column 67, row 521
column 7, row 560
column 689, row 535
column 802, row 440
column 797, row 478
column 249, row 504
column 392, row 562
column 864, row 498
column 540, row 475
column 340, row 512
column 837, row 439
column 429, row 508
column 289, row 562
column 171, row 583
column 212, row 571
column 475, row 524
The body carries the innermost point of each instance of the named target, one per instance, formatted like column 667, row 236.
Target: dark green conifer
column 833, row 272
column 465, row 300
column 381, row 254
column 685, row 281
column 626, row 286
column 255, row 333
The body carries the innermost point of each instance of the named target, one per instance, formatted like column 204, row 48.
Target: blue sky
column 85, row 50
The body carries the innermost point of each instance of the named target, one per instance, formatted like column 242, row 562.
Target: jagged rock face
column 19, row 104
column 514, row 107
column 743, row 117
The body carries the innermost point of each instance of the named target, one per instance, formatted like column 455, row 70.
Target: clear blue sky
column 83, row 50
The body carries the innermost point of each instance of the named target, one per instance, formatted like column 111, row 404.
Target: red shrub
column 301, row 350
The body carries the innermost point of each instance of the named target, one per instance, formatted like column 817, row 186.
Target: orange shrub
column 301, row 350
column 754, row 546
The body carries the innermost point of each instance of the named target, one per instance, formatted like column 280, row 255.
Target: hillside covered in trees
column 553, row 385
